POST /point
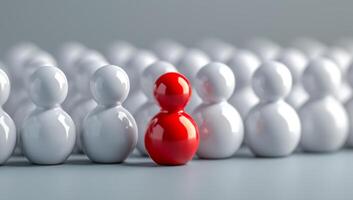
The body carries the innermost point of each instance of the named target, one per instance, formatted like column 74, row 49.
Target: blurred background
column 96, row 23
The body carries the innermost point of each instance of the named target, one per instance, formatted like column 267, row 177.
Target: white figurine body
column 149, row 109
column 273, row 126
column 324, row 120
column 296, row 62
column 110, row 131
column 7, row 126
column 243, row 64
column 220, row 125
column 48, row 134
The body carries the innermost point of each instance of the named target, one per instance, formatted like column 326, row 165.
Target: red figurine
column 172, row 136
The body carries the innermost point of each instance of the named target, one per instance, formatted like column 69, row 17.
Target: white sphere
column 296, row 62
column 137, row 64
column 340, row 56
column 191, row 62
column 321, row 77
column 168, row 50
column 120, row 52
column 264, row 48
column 272, row 81
column 152, row 73
column 48, row 86
column 215, row 82
column 86, row 66
column 243, row 64
column 110, row 85
column 4, row 87
column 68, row 53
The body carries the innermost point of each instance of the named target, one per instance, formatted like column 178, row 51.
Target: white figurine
column 243, row 64
column 149, row 109
column 296, row 62
column 48, row 134
column 324, row 120
column 110, row 131
column 272, row 127
column 7, row 126
column 220, row 125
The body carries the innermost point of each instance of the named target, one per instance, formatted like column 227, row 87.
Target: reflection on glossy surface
column 48, row 136
column 172, row 136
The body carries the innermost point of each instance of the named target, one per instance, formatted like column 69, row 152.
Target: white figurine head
column 272, row 81
column 120, row 52
column 191, row 62
column 215, row 82
column 137, row 64
column 321, row 77
column 243, row 64
column 168, row 50
column 110, row 85
column 48, row 86
column 152, row 73
column 296, row 62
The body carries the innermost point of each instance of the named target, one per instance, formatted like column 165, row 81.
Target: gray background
column 96, row 23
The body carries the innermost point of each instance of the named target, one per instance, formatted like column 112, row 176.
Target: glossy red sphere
column 172, row 136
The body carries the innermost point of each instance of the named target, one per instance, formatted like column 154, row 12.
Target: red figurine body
column 172, row 136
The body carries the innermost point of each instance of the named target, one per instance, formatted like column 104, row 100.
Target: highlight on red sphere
column 172, row 91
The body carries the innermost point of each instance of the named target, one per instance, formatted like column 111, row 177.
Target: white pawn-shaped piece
column 264, row 48
column 120, row 52
column 7, row 126
column 216, row 49
column 243, row 64
column 189, row 64
column 85, row 67
column 48, row 133
column 296, row 62
column 168, row 50
column 25, row 105
column 149, row 109
column 220, row 125
column 324, row 119
column 272, row 127
column 343, row 59
column 134, row 69
column 110, row 131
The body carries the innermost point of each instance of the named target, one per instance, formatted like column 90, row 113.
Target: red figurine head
column 172, row 136
column 172, row 91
